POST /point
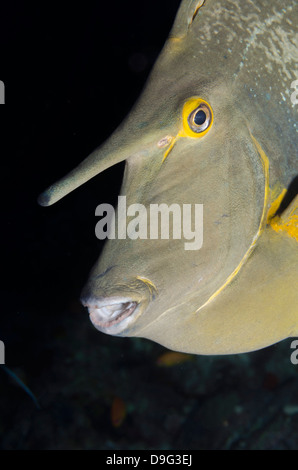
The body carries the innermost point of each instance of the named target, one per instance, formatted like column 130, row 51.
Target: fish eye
column 197, row 118
column 200, row 119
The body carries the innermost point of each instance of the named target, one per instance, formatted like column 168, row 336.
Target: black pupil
column 200, row 118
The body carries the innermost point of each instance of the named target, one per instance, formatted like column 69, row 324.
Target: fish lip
column 113, row 315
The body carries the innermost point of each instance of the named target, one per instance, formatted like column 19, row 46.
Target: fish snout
column 114, row 304
column 112, row 315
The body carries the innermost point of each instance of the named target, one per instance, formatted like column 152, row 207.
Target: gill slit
column 265, row 163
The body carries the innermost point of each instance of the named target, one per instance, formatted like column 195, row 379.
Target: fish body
column 231, row 63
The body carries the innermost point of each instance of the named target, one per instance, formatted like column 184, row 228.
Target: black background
column 71, row 74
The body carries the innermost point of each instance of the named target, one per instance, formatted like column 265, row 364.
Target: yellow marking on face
column 265, row 164
column 287, row 223
column 170, row 147
column 151, row 286
column 188, row 108
column 185, row 130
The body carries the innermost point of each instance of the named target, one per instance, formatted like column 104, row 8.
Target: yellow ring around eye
column 185, row 130
column 188, row 108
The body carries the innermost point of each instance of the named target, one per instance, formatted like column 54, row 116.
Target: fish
column 215, row 129
column 173, row 358
column 21, row 384
column 118, row 412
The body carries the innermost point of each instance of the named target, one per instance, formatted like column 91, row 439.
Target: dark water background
column 71, row 75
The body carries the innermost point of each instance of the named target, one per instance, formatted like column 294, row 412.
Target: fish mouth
column 113, row 315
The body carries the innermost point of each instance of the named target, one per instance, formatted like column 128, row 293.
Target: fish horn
column 121, row 145
column 99, row 160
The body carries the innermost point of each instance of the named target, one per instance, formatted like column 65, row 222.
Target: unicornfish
column 213, row 140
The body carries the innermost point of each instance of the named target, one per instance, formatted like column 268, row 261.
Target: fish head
column 190, row 151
